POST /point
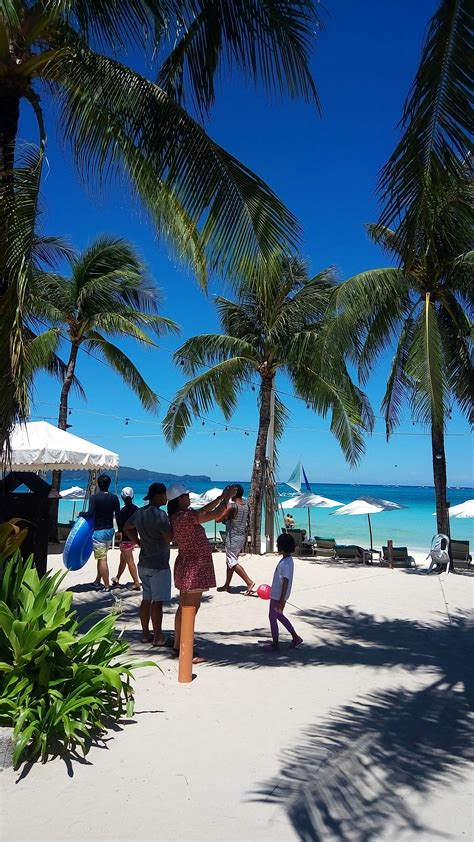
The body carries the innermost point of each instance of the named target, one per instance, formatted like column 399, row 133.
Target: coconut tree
column 424, row 305
column 108, row 293
column 269, row 328
column 25, row 349
column 119, row 122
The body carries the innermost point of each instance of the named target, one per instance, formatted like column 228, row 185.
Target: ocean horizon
column 413, row 526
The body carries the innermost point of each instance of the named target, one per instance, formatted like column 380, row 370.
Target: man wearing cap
column 150, row 528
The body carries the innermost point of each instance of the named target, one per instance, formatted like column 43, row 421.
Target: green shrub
column 58, row 689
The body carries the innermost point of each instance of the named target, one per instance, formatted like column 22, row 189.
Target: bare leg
column 228, row 577
column 97, row 578
column 103, row 571
column 157, row 621
column 128, row 554
column 243, row 575
column 145, row 612
column 122, row 564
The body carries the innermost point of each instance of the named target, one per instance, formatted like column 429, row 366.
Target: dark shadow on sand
column 350, row 775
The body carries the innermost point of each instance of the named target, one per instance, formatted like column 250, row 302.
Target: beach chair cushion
column 398, row 553
column 325, row 543
column 348, row 551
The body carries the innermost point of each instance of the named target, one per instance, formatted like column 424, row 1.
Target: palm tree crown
column 217, row 213
column 108, row 294
column 269, row 328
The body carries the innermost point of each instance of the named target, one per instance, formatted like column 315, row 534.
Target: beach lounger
column 324, row 547
column 461, row 557
column 399, row 557
column 351, row 552
column 298, row 536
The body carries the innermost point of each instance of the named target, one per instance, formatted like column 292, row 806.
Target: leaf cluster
column 58, row 689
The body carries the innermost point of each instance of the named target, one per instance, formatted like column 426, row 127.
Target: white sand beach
column 363, row 733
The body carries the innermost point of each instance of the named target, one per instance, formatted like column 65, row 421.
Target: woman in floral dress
column 194, row 568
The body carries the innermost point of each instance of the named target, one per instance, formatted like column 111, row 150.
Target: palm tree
column 217, row 213
column 28, row 253
column 425, row 305
column 107, row 294
column 270, row 327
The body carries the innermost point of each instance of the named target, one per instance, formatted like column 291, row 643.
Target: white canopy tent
column 39, row 446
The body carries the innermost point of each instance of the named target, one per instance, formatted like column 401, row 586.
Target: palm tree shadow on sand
column 349, row 777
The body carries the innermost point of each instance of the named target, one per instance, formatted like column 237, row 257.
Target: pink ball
column 264, row 591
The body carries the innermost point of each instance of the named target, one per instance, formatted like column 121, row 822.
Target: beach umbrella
column 309, row 501
column 368, row 506
column 465, row 509
column 73, row 493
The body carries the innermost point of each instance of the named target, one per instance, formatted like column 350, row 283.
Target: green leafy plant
column 58, row 689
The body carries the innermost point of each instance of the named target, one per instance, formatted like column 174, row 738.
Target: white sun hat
column 176, row 490
column 127, row 492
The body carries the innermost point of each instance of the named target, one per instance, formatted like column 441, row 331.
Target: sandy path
column 362, row 734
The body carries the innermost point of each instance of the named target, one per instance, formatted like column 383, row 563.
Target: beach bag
column 439, row 553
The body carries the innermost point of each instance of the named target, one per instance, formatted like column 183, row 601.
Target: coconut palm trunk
column 63, row 403
column 257, row 487
column 439, row 476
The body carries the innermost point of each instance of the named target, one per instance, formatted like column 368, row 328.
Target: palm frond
column 399, row 385
column 109, row 113
column 269, row 41
column 425, row 365
column 210, row 348
column 436, row 123
column 219, row 385
column 128, row 372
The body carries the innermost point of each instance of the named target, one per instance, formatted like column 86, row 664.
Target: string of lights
column 222, row 425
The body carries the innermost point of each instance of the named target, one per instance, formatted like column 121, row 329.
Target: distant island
column 144, row 475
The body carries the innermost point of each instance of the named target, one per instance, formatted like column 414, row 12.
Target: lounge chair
column 461, row 557
column 398, row 558
column 324, row 547
column 351, row 552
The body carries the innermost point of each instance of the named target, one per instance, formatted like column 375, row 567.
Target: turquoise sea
column 413, row 526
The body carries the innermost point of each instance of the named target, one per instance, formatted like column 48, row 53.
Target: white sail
column 296, row 478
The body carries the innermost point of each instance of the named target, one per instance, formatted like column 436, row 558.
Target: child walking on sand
column 281, row 589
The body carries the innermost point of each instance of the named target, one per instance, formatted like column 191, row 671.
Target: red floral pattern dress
column 194, row 568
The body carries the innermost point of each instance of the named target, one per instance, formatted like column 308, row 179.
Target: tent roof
column 38, row 446
column 368, row 506
column 309, row 501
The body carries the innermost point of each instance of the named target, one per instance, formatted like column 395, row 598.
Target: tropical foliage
column 269, row 328
column 58, row 689
column 424, row 305
column 107, row 294
column 25, row 253
column 117, row 122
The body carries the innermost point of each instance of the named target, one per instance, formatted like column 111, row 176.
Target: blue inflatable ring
column 78, row 547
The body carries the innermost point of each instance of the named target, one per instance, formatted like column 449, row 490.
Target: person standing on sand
column 194, row 568
column 149, row 528
column 126, row 547
column 235, row 518
column 102, row 507
column 281, row 589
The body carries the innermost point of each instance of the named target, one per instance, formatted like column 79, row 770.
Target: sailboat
column 306, row 499
column 297, row 478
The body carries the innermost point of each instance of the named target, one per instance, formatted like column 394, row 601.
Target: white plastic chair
column 439, row 552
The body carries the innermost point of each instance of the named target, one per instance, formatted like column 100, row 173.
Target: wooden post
column 390, row 552
column 186, row 644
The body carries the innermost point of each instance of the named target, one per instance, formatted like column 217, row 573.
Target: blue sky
column 325, row 169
